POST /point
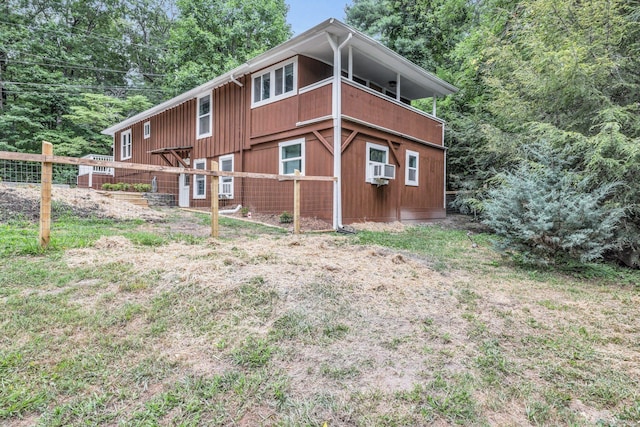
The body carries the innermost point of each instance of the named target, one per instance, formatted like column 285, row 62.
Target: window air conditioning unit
column 225, row 191
column 384, row 171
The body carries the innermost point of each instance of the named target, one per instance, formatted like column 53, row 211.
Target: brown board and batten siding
column 253, row 135
column 315, row 103
column 170, row 128
column 385, row 113
column 362, row 201
column 278, row 116
column 426, row 201
column 395, row 201
column 229, row 109
column 271, row 196
column 311, row 71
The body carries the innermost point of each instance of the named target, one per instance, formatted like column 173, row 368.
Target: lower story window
column 226, row 182
column 376, row 155
column 200, row 181
column 291, row 157
column 411, row 170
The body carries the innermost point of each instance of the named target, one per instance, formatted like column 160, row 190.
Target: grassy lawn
column 132, row 323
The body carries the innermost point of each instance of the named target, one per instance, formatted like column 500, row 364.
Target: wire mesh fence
column 263, row 198
column 25, row 172
column 272, row 201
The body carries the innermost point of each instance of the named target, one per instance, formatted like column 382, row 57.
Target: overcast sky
column 304, row 14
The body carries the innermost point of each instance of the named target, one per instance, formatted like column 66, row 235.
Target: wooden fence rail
column 43, row 158
column 48, row 159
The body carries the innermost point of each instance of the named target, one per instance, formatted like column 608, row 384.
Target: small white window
column 125, row 145
column 262, row 87
column 291, row 157
column 411, row 170
column 200, row 181
column 203, row 121
column 376, row 155
column 147, row 130
column 226, row 182
column 276, row 83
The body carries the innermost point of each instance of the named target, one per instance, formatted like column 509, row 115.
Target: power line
column 79, row 67
column 54, row 85
column 65, row 92
column 101, row 37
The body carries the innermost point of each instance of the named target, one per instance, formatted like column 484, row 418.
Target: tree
column 53, row 53
column 211, row 37
column 546, row 212
column 565, row 71
column 424, row 31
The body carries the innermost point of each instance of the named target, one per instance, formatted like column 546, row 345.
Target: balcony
column 371, row 107
column 97, row 170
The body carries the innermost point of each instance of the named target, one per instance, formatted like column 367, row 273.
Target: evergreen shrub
column 545, row 212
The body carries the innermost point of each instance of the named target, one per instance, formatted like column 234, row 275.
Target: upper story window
column 146, row 130
column 203, row 121
column 200, row 181
column 291, row 157
column 277, row 82
column 411, row 169
column 376, row 155
column 125, row 145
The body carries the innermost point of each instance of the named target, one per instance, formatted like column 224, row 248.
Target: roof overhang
column 371, row 60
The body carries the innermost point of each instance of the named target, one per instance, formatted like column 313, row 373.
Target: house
column 329, row 102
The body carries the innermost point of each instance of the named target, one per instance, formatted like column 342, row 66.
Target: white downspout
column 230, row 211
column 336, row 112
column 445, row 181
column 233, row 79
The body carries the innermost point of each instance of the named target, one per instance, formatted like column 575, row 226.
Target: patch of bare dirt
column 306, row 223
column 22, row 202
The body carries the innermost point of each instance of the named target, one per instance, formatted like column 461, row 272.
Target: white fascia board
column 402, row 65
column 291, row 48
column 276, row 54
column 173, row 102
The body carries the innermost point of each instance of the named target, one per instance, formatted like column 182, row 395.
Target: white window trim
column 368, row 164
column 123, row 155
column 300, row 141
column 198, row 116
column 197, row 178
column 272, row 89
column 145, row 126
column 407, row 181
column 227, row 179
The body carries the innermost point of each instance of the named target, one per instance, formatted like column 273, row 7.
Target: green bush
column 142, row 188
column 286, row 218
column 121, row 186
column 244, row 211
column 546, row 212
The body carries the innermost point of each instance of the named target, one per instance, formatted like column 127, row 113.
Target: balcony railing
column 98, row 170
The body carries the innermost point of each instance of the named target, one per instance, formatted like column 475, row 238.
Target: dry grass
column 266, row 329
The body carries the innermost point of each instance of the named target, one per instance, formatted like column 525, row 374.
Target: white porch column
column 336, row 112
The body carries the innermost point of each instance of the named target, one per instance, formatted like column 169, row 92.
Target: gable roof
column 372, row 61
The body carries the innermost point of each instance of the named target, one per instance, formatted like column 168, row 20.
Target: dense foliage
column 69, row 69
column 565, row 72
column 546, row 211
